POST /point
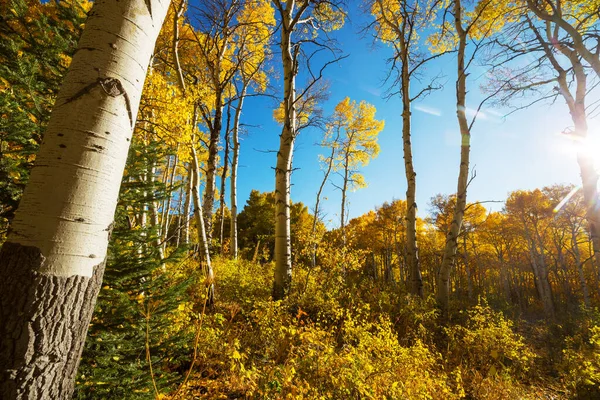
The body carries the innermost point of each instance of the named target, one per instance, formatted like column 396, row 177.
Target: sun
column 587, row 147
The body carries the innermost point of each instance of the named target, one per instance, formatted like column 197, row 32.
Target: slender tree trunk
column 344, row 191
column 468, row 271
column 412, row 247
column 202, row 237
column 167, row 219
column 540, row 270
column 581, row 275
column 155, row 220
column 178, row 13
column 163, row 208
column 283, row 170
column 187, row 206
column 211, row 166
column 317, row 203
column 234, row 167
column 443, row 277
column 52, row 263
column 223, row 177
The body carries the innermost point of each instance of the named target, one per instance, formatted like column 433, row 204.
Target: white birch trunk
column 443, row 277
column 233, row 230
column 52, row 264
column 70, row 200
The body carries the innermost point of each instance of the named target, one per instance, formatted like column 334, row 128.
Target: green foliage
column 257, row 228
column 145, row 310
column 36, row 44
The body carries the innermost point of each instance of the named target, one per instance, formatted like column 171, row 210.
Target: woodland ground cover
column 489, row 305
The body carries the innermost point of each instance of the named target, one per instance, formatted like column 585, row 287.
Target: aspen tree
column 557, row 36
column 397, row 24
column 355, row 145
column 257, row 20
column 194, row 173
column 52, row 263
column 295, row 18
column 466, row 26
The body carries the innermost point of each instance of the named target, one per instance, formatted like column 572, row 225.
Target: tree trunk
column 344, row 191
column 155, row 220
column 52, row 264
column 211, row 167
column 234, row 167
column 443, row 277
column 202, row 237
column 412, row 247
column 223, row 177
column 581, row 275
column 167, row 220
column 187, row 207
column 283, row 169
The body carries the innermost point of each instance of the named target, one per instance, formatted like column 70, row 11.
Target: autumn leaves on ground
column 205, row 295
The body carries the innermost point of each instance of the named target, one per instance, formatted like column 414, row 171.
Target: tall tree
column 257, row 20
column 557, row 35
column 466, row 26
column 52, row 263
column 299, row 22
column 216, row 46
column 397, row 24
column 355, row 144
column 37, row 40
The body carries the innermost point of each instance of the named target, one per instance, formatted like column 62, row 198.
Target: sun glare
column 566, row 199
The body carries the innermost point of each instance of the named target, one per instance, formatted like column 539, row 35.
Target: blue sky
column 522, row 151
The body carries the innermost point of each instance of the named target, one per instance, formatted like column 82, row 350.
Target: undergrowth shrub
column 580, row 368
column 492, row 358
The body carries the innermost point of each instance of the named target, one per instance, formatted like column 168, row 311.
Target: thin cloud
column 429, row 110
column 372, row 90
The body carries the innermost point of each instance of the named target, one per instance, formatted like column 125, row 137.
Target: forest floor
column 340, row 338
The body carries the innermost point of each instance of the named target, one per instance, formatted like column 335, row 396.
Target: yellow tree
column 531, row 211
column 300, row 22
column 215, row 47
column 257, row 20
column 355, row 143
column 468, row 26
column 397, row 24
column 548, row 52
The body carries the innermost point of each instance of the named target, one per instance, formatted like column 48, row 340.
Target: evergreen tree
column 144, row 305
column 36, row 44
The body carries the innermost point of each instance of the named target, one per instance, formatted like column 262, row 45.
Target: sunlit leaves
column 353, row 132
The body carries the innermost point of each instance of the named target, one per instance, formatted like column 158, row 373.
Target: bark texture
column 283, row 169
column 443, row 278
column 43, row 324
column 71, row 196
column 412, row 247
column 235, row 136
column 51, row 266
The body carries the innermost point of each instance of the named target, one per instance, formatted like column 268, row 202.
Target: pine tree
column 141, row 310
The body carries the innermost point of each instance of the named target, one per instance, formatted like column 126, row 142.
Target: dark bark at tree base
column 43, row 324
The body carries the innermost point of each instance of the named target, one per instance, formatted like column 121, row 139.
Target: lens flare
column 566, row 199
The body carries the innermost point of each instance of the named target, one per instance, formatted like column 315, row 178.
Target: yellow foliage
column 352, row 133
